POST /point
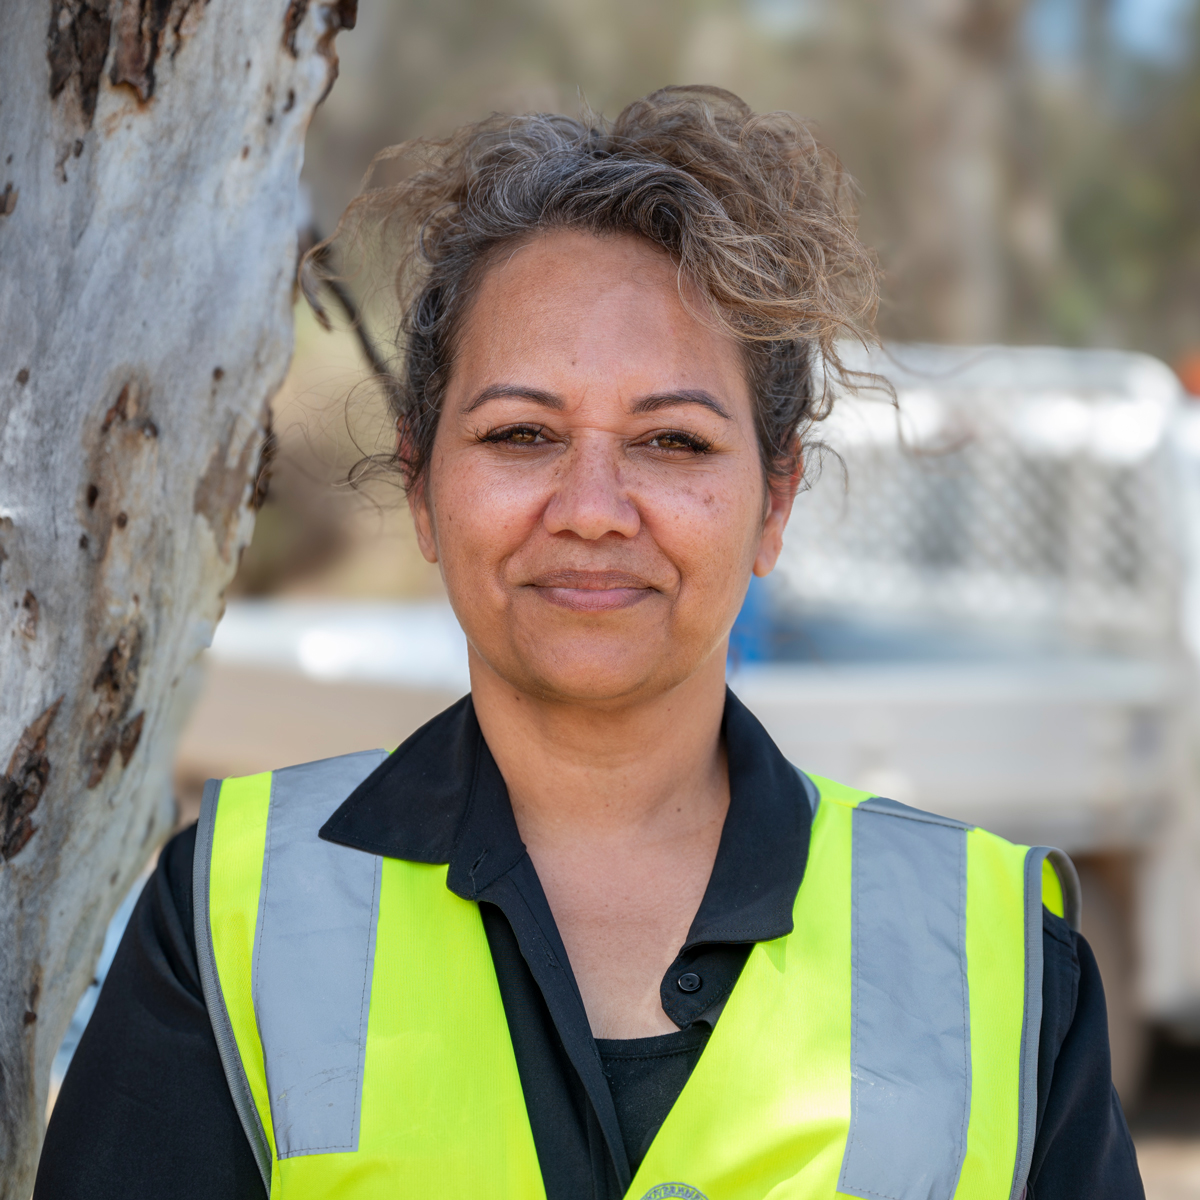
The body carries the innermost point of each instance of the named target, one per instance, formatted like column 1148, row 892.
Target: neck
column 653, row 769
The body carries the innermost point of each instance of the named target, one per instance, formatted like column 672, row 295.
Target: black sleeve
column 145, row 1110
column 1083, row 1149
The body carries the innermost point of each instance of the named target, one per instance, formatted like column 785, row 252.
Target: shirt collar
column 440, row 798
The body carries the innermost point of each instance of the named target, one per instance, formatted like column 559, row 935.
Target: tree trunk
column 149, row 205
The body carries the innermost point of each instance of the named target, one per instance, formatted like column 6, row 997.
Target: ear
column 422, row 515
column 418, row 503
column 781, row 495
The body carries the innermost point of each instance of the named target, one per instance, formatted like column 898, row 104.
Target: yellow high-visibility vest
column 886, row 1049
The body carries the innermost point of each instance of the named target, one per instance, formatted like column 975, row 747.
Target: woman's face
column 595, row 495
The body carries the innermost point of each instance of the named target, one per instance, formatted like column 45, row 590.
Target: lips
column 592, row 591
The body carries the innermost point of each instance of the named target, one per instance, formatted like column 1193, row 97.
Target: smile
column 592, row 591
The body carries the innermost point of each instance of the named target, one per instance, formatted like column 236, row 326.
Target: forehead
column 576, row 305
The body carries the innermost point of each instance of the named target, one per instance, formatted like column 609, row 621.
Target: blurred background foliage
column 1029, row 173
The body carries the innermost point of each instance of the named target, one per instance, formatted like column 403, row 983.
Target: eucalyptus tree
column 149, row 205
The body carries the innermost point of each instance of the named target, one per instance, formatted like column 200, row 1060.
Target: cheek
column 710, row 527
column 480, row 514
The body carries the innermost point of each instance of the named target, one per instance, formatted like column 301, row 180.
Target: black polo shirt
column 145, row 1109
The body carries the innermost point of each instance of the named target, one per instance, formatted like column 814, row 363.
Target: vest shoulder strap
column 310, row 954
column 1060, row 890
column 911, row 992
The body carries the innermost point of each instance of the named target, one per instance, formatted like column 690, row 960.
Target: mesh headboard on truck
column 1029, row 488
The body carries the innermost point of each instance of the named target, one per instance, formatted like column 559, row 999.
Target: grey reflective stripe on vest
column 218, row 1015
column 910, row 1042
column 910, row 1020
column 314, row 950
column 1032, row 1028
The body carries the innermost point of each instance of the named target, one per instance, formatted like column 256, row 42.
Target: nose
column 590, row 498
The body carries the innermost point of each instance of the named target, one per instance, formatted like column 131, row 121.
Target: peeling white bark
column 149, row 203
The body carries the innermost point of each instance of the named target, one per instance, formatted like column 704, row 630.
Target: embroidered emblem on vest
column 678, row 1191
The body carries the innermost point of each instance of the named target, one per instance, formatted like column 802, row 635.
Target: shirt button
column 689, row 981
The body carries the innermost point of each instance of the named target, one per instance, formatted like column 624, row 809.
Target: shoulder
column 1043, row 867
column 166, row 916
column 175, row 866
column 296, row 782
column 1083, row 1147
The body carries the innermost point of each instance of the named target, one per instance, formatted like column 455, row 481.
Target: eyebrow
column 647, row 404
column 515, row 391
column 653, row 403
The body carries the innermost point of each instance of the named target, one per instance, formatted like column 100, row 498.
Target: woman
column 587, row 933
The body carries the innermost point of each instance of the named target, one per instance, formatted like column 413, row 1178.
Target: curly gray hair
column 757, row 214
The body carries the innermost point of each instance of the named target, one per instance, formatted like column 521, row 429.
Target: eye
column 515, row 435
column 676, row 440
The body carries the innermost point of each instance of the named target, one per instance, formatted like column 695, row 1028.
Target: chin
column 577, row 674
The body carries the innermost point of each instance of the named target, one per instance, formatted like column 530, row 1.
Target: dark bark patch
column 77, row 45
column 22, row 785
column 297, row 10
column 339, row 15
column 120, row 408
column 30, row 610
column 342, row 14
column 125, row 410
column 266, row 463
column 23, row 376
column 130, row 736
column 345, row 13
column 35, row 994
column 220, row 489
column 120, row 441
column 115, row 686
column 142, row 28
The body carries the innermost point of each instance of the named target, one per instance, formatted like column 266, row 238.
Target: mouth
column 592, row 591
